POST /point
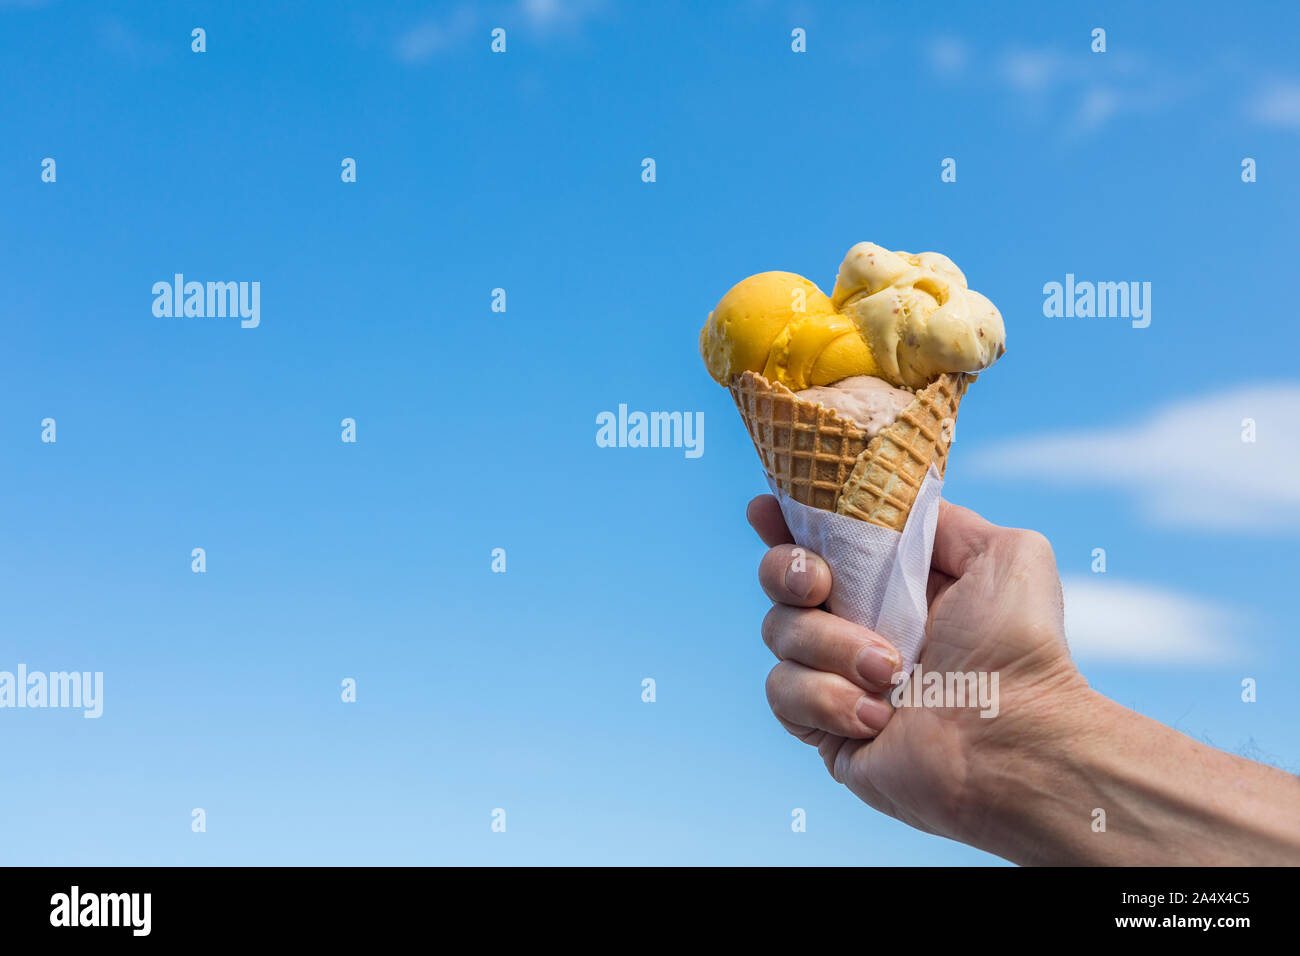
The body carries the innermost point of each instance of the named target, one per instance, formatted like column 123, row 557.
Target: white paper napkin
column 879, row 576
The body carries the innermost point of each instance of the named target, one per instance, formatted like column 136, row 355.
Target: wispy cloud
column 1092, row 88
column 1276, row 105
column 124, row 42
column 1035, row 71
column 948, row 56
column 430, row 37
column 547, row 15
column 1087, row 89
column 1186, row 464
column 1099, row 104
column 1124, row 622
column 436, row 35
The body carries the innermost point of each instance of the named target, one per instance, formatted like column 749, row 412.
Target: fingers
column 765, row 517
column 809, row 735
column 815, row 700
column 832, row 678
column 828, row 681
column 796, row 576
column 961, row 536
column 828, row 643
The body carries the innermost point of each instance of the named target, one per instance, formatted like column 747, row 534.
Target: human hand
column 995, row 607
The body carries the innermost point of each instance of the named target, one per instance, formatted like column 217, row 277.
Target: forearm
column 1167, row 799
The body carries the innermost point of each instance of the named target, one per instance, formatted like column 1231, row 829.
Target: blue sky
column 476, row 429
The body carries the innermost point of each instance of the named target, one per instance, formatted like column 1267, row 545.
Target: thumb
column 961, row 536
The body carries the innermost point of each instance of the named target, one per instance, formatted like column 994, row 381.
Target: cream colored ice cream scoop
column 871, row 402
column 916, row 314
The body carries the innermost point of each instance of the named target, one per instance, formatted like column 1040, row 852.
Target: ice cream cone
column 889, row 473
column 824, row 460
column 807, row 449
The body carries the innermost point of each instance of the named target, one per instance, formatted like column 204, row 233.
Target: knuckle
column 805, row 734
column 771, row 568
column 771, row 626
column 796, row 635
column 1035, row 546
column 772, row 686
column 826, row 712
column 785, row 631
column 836, row 767
column 811, row 637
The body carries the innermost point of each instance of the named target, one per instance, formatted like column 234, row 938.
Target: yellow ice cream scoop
column 904, row 318
column 917, row 314
column 783, row 326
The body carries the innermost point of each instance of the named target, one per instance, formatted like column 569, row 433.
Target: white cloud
column 1117, row 621
column 120, row 40
column 1276, row 105
column 948, row 56
column 1083, row 91
column 1186, row 464
column 549, row 14
column 1033, row 71
column 1099, row 104
column 430, row 37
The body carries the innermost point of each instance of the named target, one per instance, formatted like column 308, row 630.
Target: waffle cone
column 826, row 461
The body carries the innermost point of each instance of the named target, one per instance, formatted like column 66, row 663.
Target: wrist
column 1076, row 779
column 1024, row 785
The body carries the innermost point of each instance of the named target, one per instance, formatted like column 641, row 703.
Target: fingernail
column 799, row 583
column 877, row 664
column 874, row 712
